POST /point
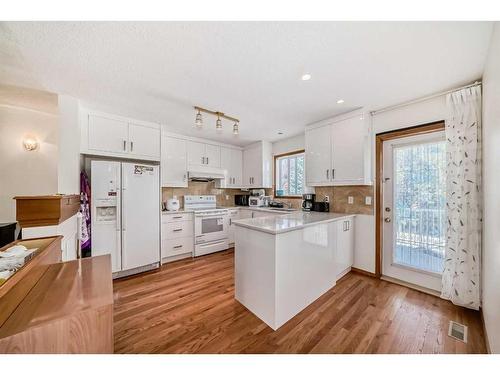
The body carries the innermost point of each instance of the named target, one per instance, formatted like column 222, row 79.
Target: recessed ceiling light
column 340, row 101
column 306, row 77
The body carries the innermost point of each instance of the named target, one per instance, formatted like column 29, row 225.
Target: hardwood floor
column 189, row 307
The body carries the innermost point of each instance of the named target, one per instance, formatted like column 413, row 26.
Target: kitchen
column 196, row 223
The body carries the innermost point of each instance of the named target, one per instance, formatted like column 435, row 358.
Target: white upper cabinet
column 257, row 165
column 339, row 152
column 349, row 139
column 318, row 149
column 202, row 154
column 212, row 155
column 109, row 135
column 144, row 140
column 231, row 160
column 173, row 162
column 196, row 153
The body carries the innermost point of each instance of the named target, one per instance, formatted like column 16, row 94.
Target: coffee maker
column 308, row 201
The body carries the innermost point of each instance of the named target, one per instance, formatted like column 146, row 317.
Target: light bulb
column 218, row 125
column 30, row 144
column 199, row 121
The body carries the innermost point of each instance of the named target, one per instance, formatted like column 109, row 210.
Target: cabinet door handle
column 327, row 174
column 202, row 160
column 207, row 159
column 124, row 145
column 132, row 146
column 177, row 230
column 177, row 247
column 333, row 174
column 177, row 217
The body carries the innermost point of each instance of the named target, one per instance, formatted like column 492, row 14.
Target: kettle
column 173, row 204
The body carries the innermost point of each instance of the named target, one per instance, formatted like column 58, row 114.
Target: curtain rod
column 404, row 104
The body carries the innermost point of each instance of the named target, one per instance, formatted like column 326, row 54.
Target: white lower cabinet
column 176, row 246
column 344, row 247
column 177, row 236
column 234, row 214
column 245, row 213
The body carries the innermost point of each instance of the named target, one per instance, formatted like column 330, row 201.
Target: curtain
column 461, row 275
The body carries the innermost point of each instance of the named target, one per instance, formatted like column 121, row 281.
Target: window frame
column 276, row 157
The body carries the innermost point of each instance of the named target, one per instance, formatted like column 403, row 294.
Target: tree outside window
column 289, row 177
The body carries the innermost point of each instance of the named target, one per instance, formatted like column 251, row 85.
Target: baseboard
column 411, row 286
column 176, row 258
column 486, row 341
column 363, row 272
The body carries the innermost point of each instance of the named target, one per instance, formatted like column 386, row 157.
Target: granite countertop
column 285, row 223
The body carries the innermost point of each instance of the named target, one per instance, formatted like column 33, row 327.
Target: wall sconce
column 30, row 144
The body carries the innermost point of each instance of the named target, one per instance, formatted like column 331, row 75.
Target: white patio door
column 414, row 205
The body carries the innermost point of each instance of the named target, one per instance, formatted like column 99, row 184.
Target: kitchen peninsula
column 283, row 263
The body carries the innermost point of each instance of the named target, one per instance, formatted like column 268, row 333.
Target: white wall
column 294, row 143
column 491, row 191
column 26, row 112
column 68, row 176
column 420, row 113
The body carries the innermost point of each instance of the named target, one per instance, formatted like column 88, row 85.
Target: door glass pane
column 419, row 206
column 211, row 225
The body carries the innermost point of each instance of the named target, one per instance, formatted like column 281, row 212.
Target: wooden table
column 69, row 309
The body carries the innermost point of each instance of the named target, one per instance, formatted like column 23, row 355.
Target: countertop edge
column 274, row 232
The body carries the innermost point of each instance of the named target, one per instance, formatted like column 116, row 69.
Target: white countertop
column 293, row 221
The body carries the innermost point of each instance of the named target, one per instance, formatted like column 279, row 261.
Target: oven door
column 210, row 228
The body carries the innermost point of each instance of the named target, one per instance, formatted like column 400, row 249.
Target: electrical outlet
column 350, row 200
column 327, row 198
column 368, row 201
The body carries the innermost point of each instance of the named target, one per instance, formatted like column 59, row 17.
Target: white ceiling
column 251, row 70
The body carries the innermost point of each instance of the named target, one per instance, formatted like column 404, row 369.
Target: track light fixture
column 218, row 124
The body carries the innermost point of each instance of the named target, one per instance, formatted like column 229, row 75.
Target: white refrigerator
column 125, row 214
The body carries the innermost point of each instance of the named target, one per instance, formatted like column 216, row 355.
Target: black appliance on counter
column 308, row 201
column 321, row 207
column 241, row 199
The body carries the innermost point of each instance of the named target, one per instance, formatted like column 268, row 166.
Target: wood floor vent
column 458, row 331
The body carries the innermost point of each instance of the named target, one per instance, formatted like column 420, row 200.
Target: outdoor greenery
column 290, row 175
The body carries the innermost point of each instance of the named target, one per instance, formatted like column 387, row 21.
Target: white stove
column 210, row 224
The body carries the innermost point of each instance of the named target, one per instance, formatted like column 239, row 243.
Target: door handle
column 177, row 247
column 124, row 145
column 333, row 174
column 207, row 159
column 131, row 146
column 177, row 230
column 387, row 219
column 327, row 174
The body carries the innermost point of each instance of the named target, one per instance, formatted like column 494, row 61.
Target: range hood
column 205, row 174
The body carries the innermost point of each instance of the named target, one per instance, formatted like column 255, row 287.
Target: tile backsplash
column 338, row 196
column 202, row 188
